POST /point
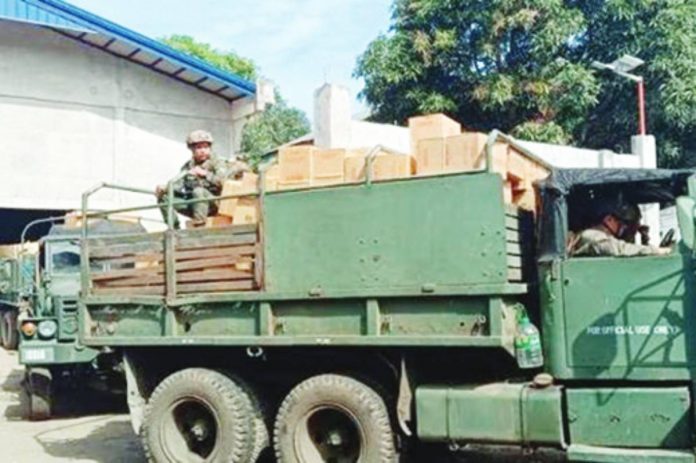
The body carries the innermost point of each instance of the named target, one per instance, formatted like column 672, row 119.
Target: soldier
column 611, row 237
column 204, row 175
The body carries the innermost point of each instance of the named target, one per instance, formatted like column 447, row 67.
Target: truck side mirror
column 686, row 206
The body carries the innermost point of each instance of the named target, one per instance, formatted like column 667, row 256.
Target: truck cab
column 17, row 268
column 48, row 327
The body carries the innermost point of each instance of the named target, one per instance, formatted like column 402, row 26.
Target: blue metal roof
column 107, row 36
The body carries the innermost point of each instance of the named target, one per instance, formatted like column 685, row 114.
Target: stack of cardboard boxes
column 438, row 146
column 441, row 147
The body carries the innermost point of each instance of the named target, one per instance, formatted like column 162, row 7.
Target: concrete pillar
column 245, row 109
column 332, row 117
column 645, row 148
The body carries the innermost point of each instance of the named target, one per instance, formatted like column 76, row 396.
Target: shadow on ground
column 113, row 442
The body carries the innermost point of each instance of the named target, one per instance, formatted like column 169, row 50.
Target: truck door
column 629, row 317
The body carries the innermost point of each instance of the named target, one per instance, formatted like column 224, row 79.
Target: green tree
column 225, row 60
column 523, row 66
column 278, row 124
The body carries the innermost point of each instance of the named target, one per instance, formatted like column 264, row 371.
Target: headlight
column 47, row 328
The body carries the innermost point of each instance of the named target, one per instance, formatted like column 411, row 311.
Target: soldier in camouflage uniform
column 613, row 235
column 203, row 176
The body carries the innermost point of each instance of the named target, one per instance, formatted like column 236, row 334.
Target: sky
column 297, row 44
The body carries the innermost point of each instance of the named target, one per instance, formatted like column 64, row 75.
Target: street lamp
column 622, row 67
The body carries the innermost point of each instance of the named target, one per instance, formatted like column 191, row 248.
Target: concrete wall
column 73, row 116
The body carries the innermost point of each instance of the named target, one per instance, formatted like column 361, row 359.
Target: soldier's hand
column 198, row 171
column 159, row 191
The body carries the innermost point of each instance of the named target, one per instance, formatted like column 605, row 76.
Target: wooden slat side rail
column 206, row 260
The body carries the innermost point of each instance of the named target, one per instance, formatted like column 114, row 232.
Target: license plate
column 38, row 355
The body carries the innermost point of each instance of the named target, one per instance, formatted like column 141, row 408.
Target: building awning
column 124, row 43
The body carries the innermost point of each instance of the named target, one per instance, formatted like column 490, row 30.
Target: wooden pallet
column 217, row 260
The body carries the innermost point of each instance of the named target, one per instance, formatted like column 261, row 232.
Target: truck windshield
column 65, row 262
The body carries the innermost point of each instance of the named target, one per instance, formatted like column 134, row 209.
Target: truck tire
column 38, row 383
column 259, row 415
column 10, row 337
column 331, row 418
column 198, row 415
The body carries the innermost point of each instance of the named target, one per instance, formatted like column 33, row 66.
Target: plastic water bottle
column 527, row 343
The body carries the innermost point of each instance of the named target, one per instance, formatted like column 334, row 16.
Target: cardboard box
column 248, row 185
column 431, row 126
column 430, row 156
column 271, row 178
column 468, row 152
column 292, row 185
column 246, row 212
column 213, row 222
column 295, row 163
column 384, row 166
column 328, row 163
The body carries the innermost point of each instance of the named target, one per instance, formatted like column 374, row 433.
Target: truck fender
column 135, row 392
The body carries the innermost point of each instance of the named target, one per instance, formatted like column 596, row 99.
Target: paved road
column 103, row 436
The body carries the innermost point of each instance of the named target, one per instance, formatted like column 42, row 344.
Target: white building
column 83, row 101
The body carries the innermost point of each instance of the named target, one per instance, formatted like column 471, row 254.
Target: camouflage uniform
column 193, row 187
column 598, row 241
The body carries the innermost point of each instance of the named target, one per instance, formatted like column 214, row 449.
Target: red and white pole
column 641, row 108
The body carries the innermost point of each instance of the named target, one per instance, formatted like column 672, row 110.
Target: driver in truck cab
column 614, row 235
column 201, row 178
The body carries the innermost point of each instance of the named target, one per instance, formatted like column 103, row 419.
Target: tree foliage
column 523, row 66
column 225, row 60
column 278, row 124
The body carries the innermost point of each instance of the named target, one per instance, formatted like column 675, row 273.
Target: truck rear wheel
column 198, row 415
column 10, row 337
column 333, row 418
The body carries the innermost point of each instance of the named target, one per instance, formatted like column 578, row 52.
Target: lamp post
column 622, row 67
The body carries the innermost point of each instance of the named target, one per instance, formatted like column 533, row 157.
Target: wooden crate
column 214, row 221
column 431, row 126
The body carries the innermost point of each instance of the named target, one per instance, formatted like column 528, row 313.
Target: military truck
column 55, row 362
column 16, row 278
column 372, row 321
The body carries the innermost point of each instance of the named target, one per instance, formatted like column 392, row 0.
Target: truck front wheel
column 198, row 415
column 10, row 337
column 333, row 418
column 38, row 384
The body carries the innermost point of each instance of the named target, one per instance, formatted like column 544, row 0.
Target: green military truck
column 48, row 326
column 369, row 322
column 16, row 284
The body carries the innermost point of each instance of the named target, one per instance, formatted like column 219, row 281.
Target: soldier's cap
column 199, row 136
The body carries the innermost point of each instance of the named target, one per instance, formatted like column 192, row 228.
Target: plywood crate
column 431, row 126
column 248, row 185
column 295, row 163
column 292, row 185
column 385, row 166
